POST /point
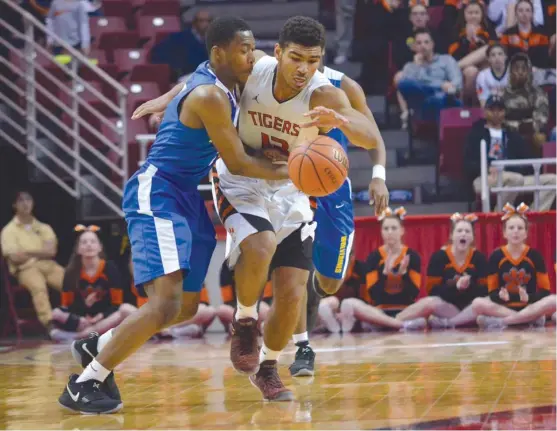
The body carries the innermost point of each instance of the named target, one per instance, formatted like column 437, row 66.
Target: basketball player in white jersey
column 285, row 102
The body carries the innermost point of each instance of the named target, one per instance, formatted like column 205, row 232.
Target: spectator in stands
column 502, row 13
column 69, row 20
column 517, row 277
column 29, row 246
column 404, row 49
column 345, row 10
column 432, row 81
column 456, row 275
column 92, row 294
column 185, row 50
column 473, row 36
column 502, row 144
column 530, row 39
column 393, row 282
column 492, row 80
column 526, row 105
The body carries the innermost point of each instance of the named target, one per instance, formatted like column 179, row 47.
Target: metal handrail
column 33, row 107
column 500, row 165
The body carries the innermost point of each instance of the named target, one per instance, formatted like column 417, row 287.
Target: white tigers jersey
column 266, row 123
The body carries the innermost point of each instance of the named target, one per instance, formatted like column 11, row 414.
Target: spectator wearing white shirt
column 492, row 80
column 502, row 13
column 69, row 20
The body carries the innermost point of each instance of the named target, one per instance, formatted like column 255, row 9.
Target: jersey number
column 273, row 142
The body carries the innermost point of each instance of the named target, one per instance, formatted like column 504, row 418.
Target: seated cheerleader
column 353, row 286
column 456, row 275
column 192, row 328
column 393, row 281
column 519, row 289
column 92, row 297
column 225, row 312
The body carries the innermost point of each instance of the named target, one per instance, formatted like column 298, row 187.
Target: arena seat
column 149, row 26
column 106, row 24
column 119, row 40
column 454, row 127
column 126, row 59
column 160, row 7
column 159, row 73
column 140, row 92
column 121, row 8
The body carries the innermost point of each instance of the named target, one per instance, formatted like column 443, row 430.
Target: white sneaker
column 61, row 335
column 439, row 323
column 414, row 324
column 539, row 322
column 489, row 322
column 347, row 322
column 191, row 331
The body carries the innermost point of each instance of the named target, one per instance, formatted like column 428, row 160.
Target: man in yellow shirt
column 29, row 246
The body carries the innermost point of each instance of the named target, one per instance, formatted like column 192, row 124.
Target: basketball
column 318, row 168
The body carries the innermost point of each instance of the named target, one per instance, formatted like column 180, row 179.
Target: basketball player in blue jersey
column 335, row 228
column 172, row 237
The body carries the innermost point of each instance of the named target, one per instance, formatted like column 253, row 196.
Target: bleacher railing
column 499, row 188
column 99, row 168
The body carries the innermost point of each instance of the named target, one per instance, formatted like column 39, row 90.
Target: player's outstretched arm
column 331, row 108
column 378, row 192
column 213, row 109
column 158, row 105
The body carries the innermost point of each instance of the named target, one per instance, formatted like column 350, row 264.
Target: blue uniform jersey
column 168, row 224
column 184, row 154
column 336, row 78
column 334, row 215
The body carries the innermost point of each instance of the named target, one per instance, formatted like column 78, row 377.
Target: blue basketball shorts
column 169, row 229
column 335, row 232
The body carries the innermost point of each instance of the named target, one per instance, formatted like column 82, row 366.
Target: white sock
column 267, row 354
column 103, row 339
column 300, row 338
column 244, row 312
column 94, row 371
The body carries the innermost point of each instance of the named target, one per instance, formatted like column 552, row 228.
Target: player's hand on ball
column 324, row 117
column 378, row 195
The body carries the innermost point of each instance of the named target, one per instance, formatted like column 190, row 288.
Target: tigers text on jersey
column 267, row 123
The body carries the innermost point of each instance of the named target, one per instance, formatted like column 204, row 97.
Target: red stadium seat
column 119, row 40
column 159, row 73
column 127, row 59
column 160, row 7
column 106, row 24
column 150, row 26
column 122, row 8
column 134, row 128
column 141, row 92
column 454, row 127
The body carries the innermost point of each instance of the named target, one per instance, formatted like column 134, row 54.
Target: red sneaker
column 244, row 347
column 267, row 380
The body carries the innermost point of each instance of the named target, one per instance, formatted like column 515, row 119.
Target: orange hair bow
column 83, row 228
column 413, row 3
column 400, row 213
column 471, row 218
column 510, row 211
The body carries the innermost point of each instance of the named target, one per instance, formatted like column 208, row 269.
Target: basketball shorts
column 334, row 233
column 249, row 205
column 169, row 229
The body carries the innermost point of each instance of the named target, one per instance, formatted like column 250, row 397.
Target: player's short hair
column 223, row 30
column 302, row 30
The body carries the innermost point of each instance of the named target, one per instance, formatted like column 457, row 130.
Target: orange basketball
column 318, row 168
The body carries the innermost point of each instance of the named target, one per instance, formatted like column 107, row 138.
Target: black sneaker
column 304, row 362
column 87, row 398
column 84, row 351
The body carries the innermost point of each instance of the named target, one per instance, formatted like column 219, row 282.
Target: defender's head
column 230, row 45
column 300, row 50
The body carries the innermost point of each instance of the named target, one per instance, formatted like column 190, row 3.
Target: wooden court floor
column 434, row 380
